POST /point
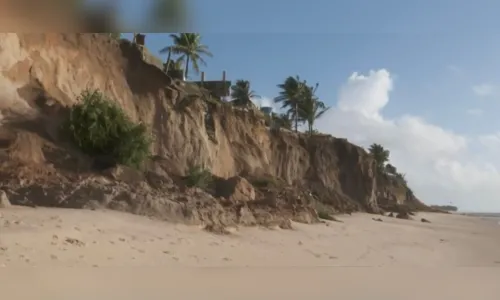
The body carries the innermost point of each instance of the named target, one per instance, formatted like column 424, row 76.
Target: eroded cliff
column 41, row 75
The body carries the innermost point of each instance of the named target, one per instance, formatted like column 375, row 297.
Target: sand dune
column 39, row 241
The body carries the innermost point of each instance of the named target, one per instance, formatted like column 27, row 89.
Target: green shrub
column 264, row 181
column 199, row 177
column 99, row 127
column 324, row 215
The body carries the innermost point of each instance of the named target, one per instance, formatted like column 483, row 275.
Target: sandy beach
column 310, row 259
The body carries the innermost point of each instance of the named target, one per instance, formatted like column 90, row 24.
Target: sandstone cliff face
column 42, row 74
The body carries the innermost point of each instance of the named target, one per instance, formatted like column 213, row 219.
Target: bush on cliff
column 99, row 127
column 199, row 177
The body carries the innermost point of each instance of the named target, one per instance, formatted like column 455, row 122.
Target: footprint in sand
column 74, row 242
column 317, row 255
column 138, row 250
column 195, row 257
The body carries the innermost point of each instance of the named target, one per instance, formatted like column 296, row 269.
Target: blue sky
column 442, row 59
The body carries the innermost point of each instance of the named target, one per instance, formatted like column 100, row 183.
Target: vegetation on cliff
column 242, row 95
column 450, row 208
column 100, row 128
column 190, row 50
column 300, row 102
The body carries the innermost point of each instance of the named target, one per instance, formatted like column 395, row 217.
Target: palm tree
column 190, row 49
column 380, row 155
column 241, row 94
column 290, row 97
column 310, row 108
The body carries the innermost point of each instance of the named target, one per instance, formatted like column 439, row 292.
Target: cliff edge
column 262, row 175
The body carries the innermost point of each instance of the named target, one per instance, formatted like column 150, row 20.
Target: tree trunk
column 296, row 117
column 187, row 67
column 168, row 60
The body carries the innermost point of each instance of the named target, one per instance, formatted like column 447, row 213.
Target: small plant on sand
column 99, row 127
column 324, row 215
column 199, row 177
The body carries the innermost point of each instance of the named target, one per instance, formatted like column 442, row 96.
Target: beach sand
column 61, row 253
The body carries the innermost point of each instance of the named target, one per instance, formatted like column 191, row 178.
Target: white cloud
column 491, row 141
column 441, row 166
column 474, row 112
column 265, row 101
column 484, row 90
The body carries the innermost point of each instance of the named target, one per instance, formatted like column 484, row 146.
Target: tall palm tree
column 290, row 97
column 190, row 49
column 241, row 94
column 310, row 108
column 380, row 155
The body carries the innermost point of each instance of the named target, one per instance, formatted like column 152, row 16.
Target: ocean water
column 495, row 217
column 489, row 215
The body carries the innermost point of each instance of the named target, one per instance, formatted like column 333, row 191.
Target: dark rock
column 217, row 229
column 403, row 216
column 236, row 189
